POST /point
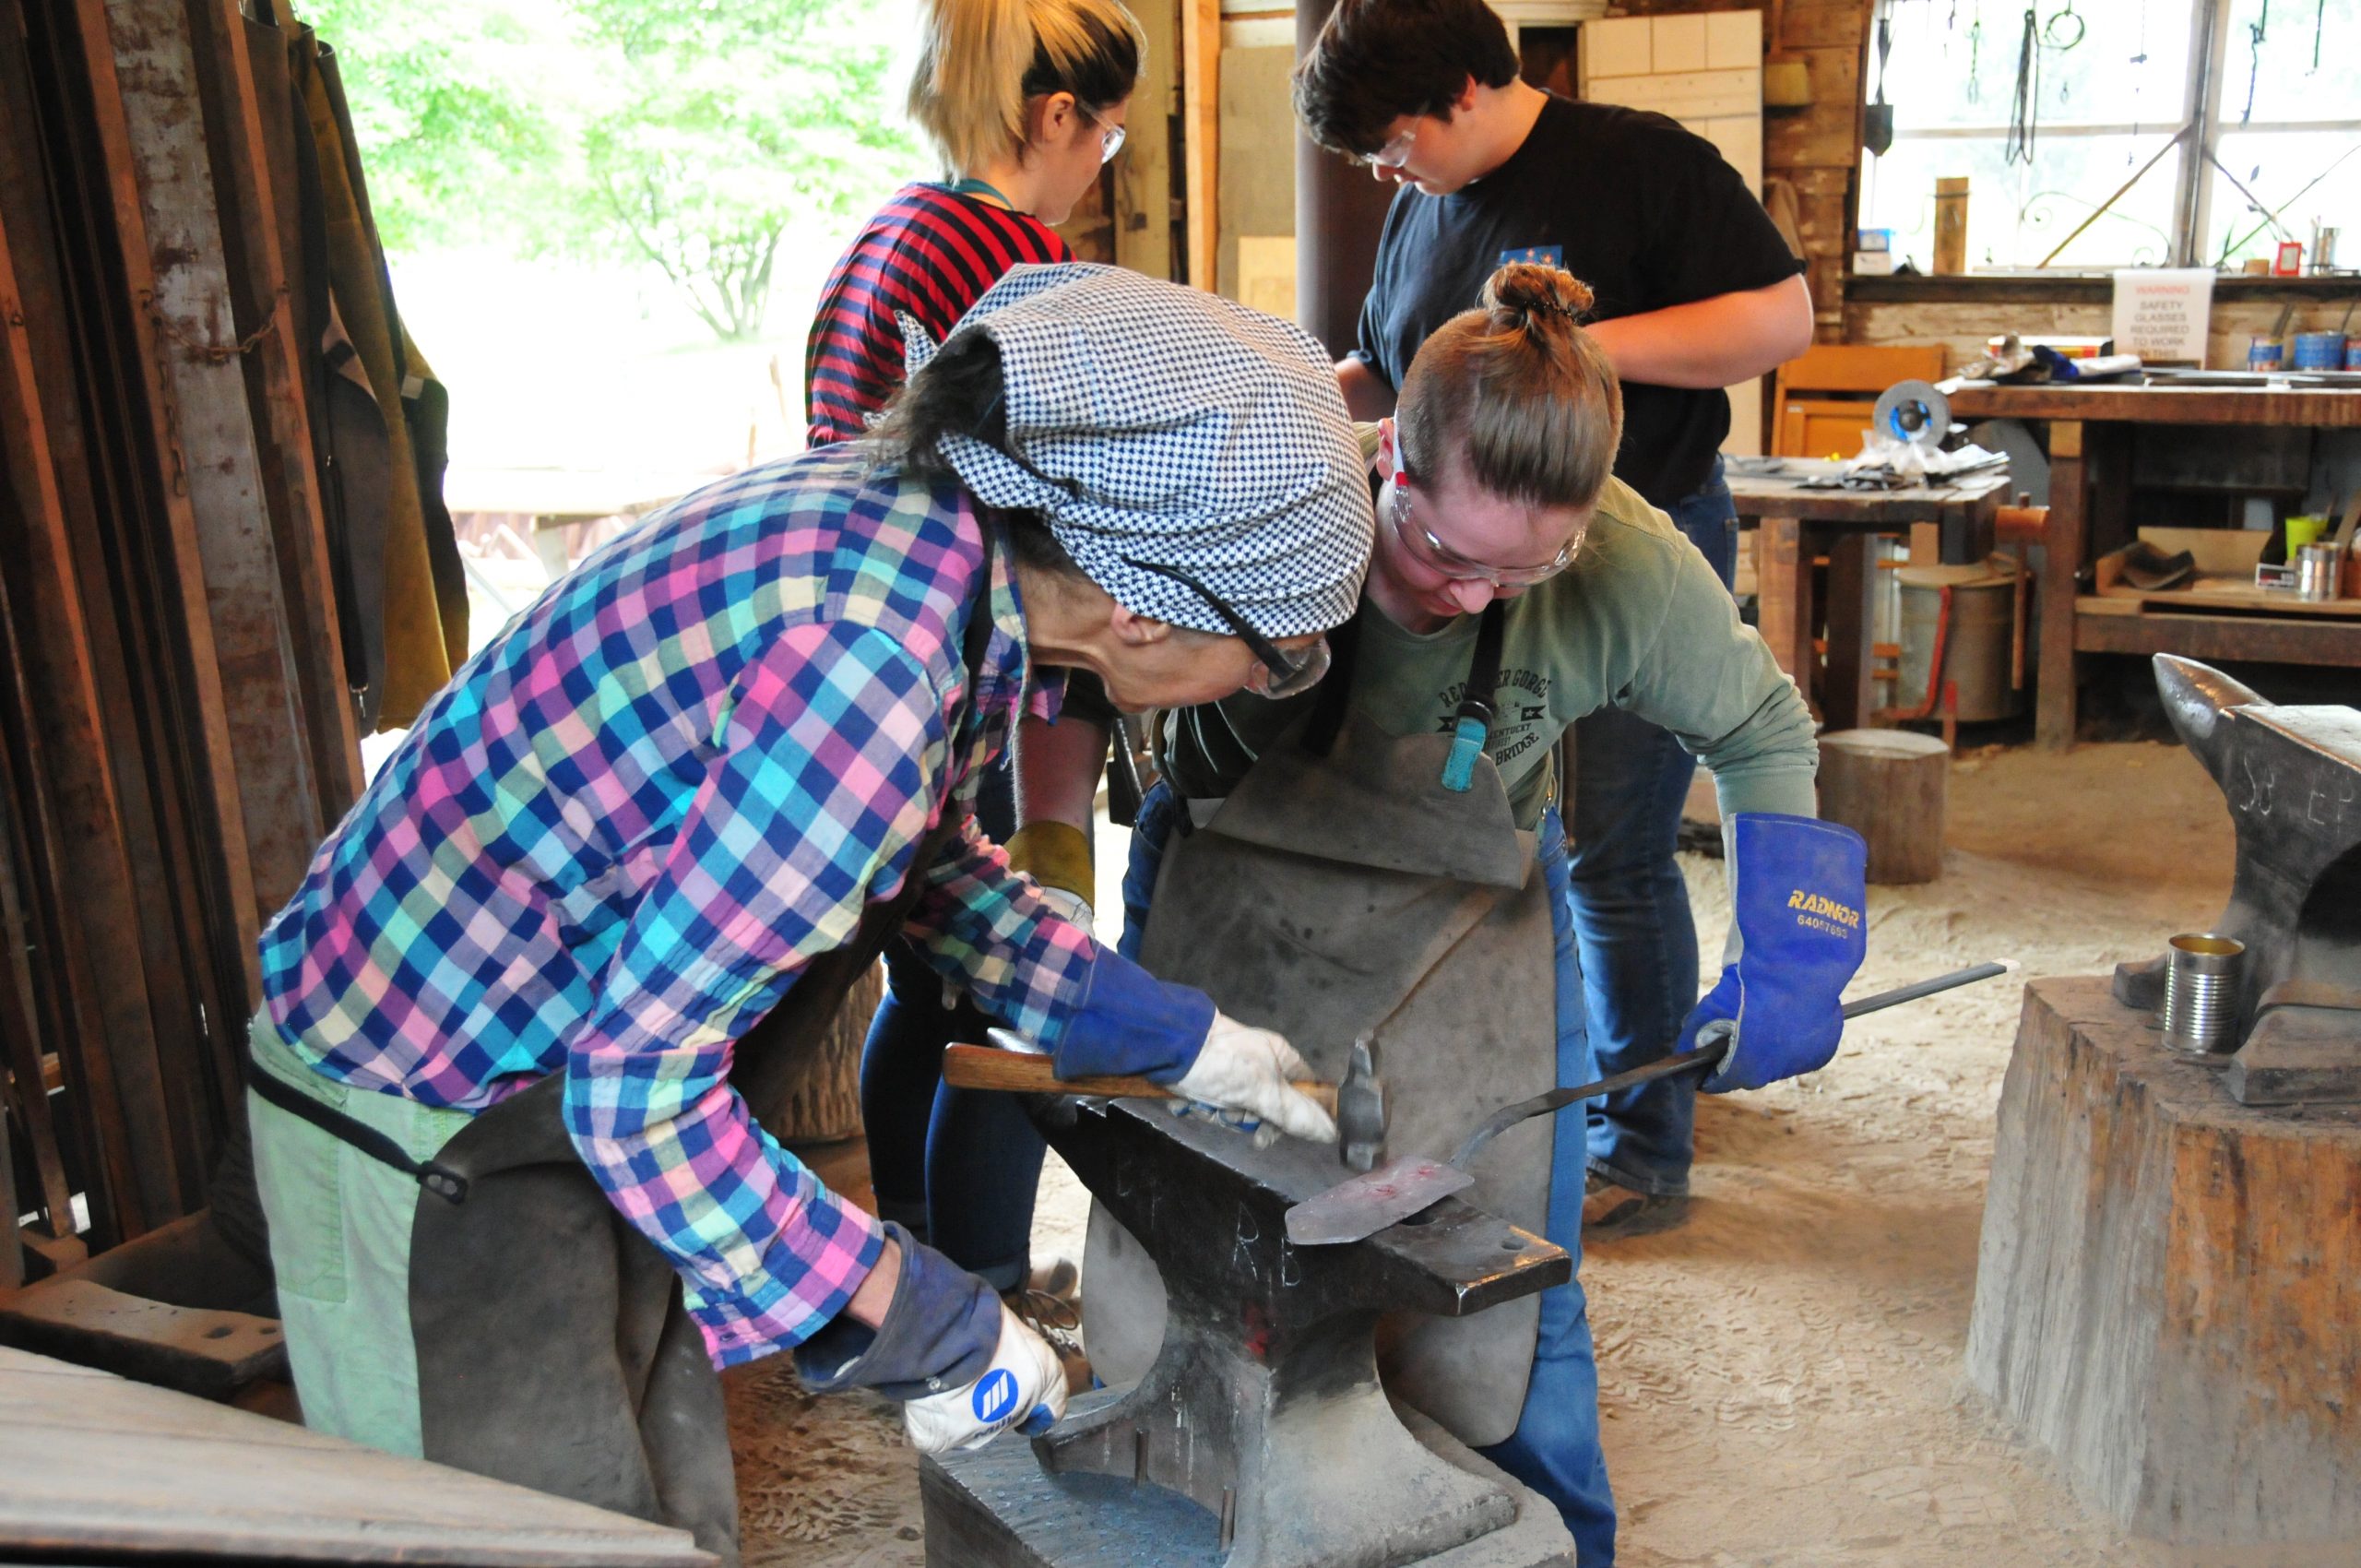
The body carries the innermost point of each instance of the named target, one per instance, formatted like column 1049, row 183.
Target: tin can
column 2265, row 353
column 2353, row 352
column 2318, row 351
column 2200, row 992
column 2318, row 567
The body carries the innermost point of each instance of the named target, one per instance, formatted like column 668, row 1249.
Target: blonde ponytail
column 979, row 61
column 1525, row 399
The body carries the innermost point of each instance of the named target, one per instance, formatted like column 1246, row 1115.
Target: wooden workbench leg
column 2061, row 541
column 1851, row 691
column 1783, row 597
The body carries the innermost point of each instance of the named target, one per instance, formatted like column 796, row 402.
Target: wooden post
column 1201, row 120
column 1888, row 785
column 1783, row 597
column 1850, row 697
column 1144, row 173
column 2061, row 540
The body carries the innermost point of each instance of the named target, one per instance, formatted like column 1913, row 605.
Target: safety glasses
column 1110, row 140
column 1433, row 554
column 1395, row 153
column 1276, row 676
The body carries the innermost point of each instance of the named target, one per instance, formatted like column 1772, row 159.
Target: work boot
column 1050, row 1301
column 1611, row 1211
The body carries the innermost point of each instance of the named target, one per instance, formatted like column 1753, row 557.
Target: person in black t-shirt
column 1695, row 290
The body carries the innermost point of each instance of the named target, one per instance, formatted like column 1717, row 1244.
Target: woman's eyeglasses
column 1279, row 676
column 1438, row 556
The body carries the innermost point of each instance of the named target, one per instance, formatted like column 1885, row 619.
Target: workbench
column 1797, row 523
column 2090, row 494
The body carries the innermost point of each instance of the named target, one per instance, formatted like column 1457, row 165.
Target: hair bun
column 1532, row 289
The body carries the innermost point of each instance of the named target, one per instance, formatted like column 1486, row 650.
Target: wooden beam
column 1144, row 171
column 257, row 220
column 197, row 370
column 1201, row 120
column 94, row 954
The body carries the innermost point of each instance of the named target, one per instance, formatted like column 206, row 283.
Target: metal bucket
column 2200, row 992
column 1980, row 641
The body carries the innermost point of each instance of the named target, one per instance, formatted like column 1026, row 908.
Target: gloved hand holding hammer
column 1798, row 896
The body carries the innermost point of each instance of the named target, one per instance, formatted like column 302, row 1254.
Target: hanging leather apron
column 1348, row 890
column 553, row 1347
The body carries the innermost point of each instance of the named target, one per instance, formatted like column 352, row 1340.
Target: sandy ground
column 1781, row 1378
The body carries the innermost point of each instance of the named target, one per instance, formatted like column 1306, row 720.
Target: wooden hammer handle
column 986, row 1067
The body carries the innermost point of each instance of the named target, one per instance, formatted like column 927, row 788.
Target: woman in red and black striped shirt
column 1025, row 100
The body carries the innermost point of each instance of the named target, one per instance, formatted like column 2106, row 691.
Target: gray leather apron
column 553, row 1347
column 1346, row 891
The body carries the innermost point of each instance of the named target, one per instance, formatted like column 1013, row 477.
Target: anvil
column 1264, row 1404
column 2292, row 777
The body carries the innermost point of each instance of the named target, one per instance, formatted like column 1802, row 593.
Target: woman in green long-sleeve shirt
column 1496, row 492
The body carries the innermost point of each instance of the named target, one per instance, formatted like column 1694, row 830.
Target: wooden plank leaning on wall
column 1144, row 175
column 1201, row 120
column 119, row 927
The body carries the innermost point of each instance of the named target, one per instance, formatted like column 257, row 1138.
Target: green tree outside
column 689, row 135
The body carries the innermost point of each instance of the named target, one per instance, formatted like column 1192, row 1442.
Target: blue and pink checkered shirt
column 613, row 841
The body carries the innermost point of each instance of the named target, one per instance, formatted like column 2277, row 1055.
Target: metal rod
column 1704, row 1058
column 1229, row 1516
column 1929, row 987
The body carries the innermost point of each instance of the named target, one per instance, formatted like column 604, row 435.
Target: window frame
column 2199, row 124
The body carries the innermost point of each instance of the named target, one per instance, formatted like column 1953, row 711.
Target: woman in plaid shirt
column 692, row 788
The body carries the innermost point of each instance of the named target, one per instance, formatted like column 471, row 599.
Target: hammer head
column 1361, row 1108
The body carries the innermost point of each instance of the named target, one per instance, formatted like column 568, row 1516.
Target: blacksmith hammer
column 1015, row 1064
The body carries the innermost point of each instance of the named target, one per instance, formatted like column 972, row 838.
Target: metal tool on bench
column 1363, row 1206
column 2291, row 779
column 1015, row 1064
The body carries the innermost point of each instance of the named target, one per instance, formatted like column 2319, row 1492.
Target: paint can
column 2353, row 352
column 2200, row 992
column 2265, row 353
column 2318, row 351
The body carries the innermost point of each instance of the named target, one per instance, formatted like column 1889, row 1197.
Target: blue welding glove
column 1131, row 1022
column 963, row 1365
column 1798, row 893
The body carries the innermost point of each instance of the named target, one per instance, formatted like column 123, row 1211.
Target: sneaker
column 1611, row 1211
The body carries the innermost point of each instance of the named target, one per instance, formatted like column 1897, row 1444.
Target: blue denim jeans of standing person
column 1555, row 1448
column 959, row 1168
column 1639, row 940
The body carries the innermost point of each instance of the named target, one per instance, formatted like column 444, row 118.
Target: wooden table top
column 2320, row 408
column 1782, row 493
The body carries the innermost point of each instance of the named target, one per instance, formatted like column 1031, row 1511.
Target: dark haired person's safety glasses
column 1281, row 676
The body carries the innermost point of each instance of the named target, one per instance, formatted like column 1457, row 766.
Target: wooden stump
column 2168, row 1289
column 1888, row 785
column 819, row 1098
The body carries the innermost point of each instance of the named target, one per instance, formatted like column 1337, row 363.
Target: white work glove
column 1247, row 1070
column 1024, row 1387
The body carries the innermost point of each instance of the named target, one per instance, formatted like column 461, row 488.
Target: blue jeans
column 958, row 1167
column 1639, row 940
column 1555, row 1447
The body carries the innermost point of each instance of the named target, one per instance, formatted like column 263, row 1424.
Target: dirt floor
column 1781, row 1378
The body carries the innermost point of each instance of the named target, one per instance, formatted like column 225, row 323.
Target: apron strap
column 1472, row 724
column 433, row 1175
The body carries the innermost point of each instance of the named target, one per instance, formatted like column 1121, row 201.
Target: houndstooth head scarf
column 1169, row 426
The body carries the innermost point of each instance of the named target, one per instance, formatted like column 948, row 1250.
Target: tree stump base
column 1890, row 787
column 2168, row 1288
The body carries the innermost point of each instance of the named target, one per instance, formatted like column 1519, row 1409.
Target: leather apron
column 553, row 1347
column 1343, row 890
